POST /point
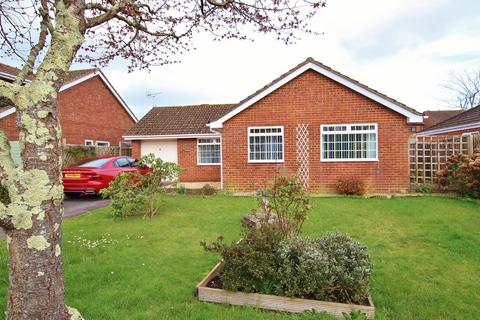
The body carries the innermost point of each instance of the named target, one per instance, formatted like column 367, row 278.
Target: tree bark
column 36, row 273
column 32, row 220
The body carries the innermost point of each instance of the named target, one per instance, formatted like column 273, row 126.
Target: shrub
column 126, row 195
column 462, row 173
column 287, row 199
column 351, row 186
column 73, row 154
column 208, row 190
column 331, row 268
column 303, row 268
column 251, row 264
column 425, row 188
column 350, row 268
column 134, row 193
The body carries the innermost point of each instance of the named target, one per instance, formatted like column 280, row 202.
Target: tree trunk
column 35, row 271
column 35, row 262
column 32, row 220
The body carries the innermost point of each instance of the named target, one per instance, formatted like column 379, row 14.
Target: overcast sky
column 403, row 48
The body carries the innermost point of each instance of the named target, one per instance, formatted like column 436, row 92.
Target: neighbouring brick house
column 311, row 121
column 433, row 117
column 466, row 122
column 91, row 112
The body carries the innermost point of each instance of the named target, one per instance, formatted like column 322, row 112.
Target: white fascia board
column 172, row 136
column 411, row 117
column 7, row 112
column 473, row 125
column 8, row 76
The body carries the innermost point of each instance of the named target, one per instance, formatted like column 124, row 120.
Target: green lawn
column 426, row 253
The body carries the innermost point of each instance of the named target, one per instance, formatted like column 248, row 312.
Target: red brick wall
column 191, row 171
column 90, row 111
column 136, row 149
column 9, row 126
column 87, row 111
column 314, row 100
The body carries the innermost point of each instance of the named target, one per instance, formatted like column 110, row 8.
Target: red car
column 94, row 174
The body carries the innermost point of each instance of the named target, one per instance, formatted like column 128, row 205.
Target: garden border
column 277, row 303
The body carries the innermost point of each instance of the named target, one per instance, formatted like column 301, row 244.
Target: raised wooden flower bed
column 277, row 303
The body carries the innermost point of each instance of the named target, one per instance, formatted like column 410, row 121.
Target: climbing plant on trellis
column 303, row 154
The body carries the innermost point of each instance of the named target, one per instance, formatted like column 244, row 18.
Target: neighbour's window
column 89, row 142
column 265, row 144
column 349, row 142
column 208, row 151
column 102, row 144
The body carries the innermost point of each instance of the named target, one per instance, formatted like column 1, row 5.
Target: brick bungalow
column 467, row 122
column 91, row 111
column 311, row 121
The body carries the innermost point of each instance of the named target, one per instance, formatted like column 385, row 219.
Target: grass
column 426, row 253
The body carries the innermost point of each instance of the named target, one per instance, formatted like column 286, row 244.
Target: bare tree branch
column 464, row 88
column 45, row 27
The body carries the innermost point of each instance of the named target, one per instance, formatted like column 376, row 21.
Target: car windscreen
column 95, row 163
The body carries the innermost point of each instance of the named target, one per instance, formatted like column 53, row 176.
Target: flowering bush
column 351, row 186
column 134, row 194
column 462, row 173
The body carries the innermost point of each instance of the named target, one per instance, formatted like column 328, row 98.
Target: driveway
column 76, row 206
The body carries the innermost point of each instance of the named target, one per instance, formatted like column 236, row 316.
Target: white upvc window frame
column 100, row 141
column 217, row 141
column 282, row 134
column 89, row 143
column 347, row 131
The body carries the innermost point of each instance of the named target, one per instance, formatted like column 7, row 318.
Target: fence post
column 470, row 144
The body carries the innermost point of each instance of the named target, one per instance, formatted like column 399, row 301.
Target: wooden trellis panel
column 303, row 152
column 428, row 155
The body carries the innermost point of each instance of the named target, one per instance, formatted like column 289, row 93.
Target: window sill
column 209, row 164
column 265, row 161
column 349, row 160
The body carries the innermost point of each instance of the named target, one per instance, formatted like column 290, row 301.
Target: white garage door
column 163, row 149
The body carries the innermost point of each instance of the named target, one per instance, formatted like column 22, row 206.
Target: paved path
column 76, row 206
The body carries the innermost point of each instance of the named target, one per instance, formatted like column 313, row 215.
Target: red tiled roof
column 175, row 120
column 434, row 117
column 71, row 75
column 470, row 116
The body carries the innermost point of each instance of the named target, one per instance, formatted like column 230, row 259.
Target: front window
column 265, row 144
column 349, row 142
column 102, row 143
column 208, row 151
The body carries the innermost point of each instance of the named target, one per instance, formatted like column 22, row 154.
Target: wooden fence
column 428, row 155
